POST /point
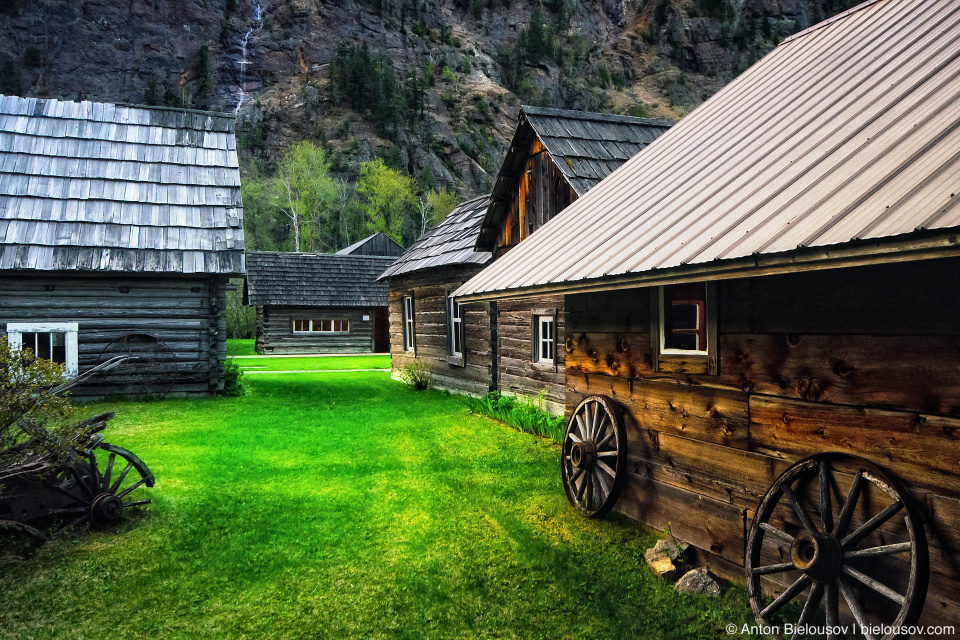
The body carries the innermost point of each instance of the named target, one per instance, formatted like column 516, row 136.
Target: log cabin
column 120, row 227
column 320, row 302
column 762, row 344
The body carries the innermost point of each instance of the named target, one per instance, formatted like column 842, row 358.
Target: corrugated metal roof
column 843, row 139
column 315, row 279
column 586, row 147
column 107, row 187
column 449, row 243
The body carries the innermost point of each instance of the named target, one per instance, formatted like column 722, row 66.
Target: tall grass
column 520, row 413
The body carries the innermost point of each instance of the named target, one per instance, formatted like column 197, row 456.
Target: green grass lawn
column 241, row 347
column 348, row 506
column 322, row 363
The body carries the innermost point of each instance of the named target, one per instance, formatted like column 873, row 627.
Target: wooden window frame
column 706, row 362
column 15, row 331
column 310, row 331
column 408, row 316
column 455, row 322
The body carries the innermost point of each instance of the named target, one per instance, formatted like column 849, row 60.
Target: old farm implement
column 47, row 488
column 833, row 526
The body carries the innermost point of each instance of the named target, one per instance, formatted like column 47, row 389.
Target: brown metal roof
column 842, row 143
column 449, row 243
column 586, row 147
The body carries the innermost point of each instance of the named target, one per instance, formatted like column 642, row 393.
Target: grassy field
column 241, row 347
column 347, row 506
column 322, row 363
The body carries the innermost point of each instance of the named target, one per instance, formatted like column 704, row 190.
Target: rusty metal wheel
column 594, row 456
column 845, row 533
column 99, row 492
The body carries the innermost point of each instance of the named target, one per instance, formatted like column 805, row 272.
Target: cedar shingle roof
column 103, row 187
column 315, row 279
column 449, row 243
column 586, row 147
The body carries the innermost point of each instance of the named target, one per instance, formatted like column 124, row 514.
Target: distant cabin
column 120, row 227
column 379, row 244
column 555, row 157
column 321, row 302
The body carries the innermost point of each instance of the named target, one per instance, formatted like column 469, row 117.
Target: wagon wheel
column 149, row 369
column 839, row 529
column 102, row 483
column 19, row 528
column 594, row 456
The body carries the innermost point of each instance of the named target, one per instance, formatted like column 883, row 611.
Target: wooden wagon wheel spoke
column 593, row 459
column 109, row 471
column 885, row 590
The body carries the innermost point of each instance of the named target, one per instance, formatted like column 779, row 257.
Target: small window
column 408, row 324
column 321, row 326
column 683, row 318
column 545, row 338
column 56, row 342
column 456, row 327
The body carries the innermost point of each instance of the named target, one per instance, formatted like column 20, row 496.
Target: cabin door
column 381, row 331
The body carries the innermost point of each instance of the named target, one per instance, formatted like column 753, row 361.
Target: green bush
column 416, row 375
column 525, row 414
column 233, row 383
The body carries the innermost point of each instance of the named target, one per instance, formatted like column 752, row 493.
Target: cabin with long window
column 318, row 302
column 762, row 348
column 555, row 157
column 455, row 343
column 120, row 228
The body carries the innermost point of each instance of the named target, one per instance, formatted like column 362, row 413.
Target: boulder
column 698, row 582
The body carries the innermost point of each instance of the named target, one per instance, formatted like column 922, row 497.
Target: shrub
column 233, row 383
column 525, row 414
column 416, row 375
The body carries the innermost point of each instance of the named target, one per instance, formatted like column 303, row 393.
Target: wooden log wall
column 518, row 373
column 430, row 292
column 188, row 314
column 542, row 192
column 864, row 361
column 275, row 330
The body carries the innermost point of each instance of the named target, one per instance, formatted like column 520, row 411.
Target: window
column 52, row 341
column 408, row 326
column 683, row 318
column 456, row 327
column 321, row 326
column 545, row 338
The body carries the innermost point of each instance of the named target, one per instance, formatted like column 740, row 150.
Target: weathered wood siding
column 542, row 192
column 275, row 330
column 518, row 373
column 864, row 361
column 430, row 292
column 186, row 313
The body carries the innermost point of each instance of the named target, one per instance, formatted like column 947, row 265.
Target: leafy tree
column 388, row 199
column 304, row 191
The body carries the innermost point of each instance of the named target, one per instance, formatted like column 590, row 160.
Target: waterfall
column 245, row 58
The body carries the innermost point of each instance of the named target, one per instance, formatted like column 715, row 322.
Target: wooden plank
column 914, row 373
column 921, row 451
column 620, row 354
column 709, row 524
column 697, row 412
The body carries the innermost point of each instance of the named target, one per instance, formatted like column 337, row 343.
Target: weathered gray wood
column 277, row 336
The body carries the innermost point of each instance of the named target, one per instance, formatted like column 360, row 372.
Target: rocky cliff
column 462, row 67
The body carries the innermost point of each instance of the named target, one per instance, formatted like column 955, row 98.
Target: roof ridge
column 840, row 16
column 592, row 115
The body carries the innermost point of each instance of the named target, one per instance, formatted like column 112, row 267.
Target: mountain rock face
column 462, row 67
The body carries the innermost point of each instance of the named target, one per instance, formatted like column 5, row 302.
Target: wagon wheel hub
column 818, row 555
column 583, row 455
column 106, row 509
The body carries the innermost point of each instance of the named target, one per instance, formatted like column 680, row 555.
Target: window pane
column 684, row 317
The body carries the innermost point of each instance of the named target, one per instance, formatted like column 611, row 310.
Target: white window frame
column 312, row 331
column 409, row 324
column 455, row 322
column 663, row 324
column 15, row 331
column 539, row 341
